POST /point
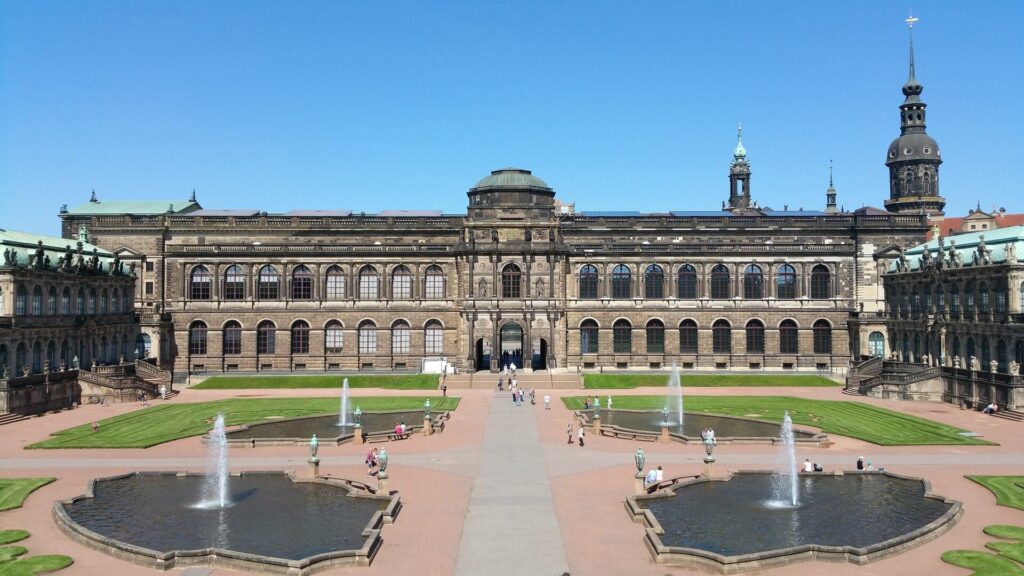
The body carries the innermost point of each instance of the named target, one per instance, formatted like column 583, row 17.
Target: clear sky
column 405, row 105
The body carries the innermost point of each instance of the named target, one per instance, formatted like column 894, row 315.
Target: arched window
column 719, row 282
column 333, row 337
column 755, row 337
column 20, row 301
column 654, row 282
column 400, row 337
column 983, row 298
column 234, row 283
column 655, row 337
column 822, row 337
column 335, row 283
column 622, row 337
column 401, row 283
column 433, row 283
column 876, row 344
column 687, row 282
column 986, row 355
column 51, row 300
column 789, row 337
column 103, row 301
column 115, row 300
column 511, row 282
column 721, row 337
column 1001, row 356
column 65, row 353
column 917, row 347
column 1000, row 294
column 971, row 351
column 904, row 302
column 588, row 337
column 367, row 338
column 197, row 338
column 956, row 351
column 821, row 282
column 269, row 284
column 969, row 298
column 199, row 285
column 753, row 283
column 1018, row 353
column 369, row 284
column 687, row 337
column 927, row 289
column 37, row 301
column 65, row 301
column 621, row 282
column 588, row 281
column 300, row 337
column 20, row 357
column 92, row 301
column 51, row 355
column 433, row 337
column 37, row 357
column 785, row 282
column 266, row 338
column 232, row 338
column 940, row 298
column 79, row 302
column 915, row 301
column 302, row 283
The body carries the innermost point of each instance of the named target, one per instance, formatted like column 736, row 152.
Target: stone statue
column 6, row 374
column 903, row 265
column 1015, row 368
column 481, row 289
column 83, row 234
column 494, row 235
column 46, row 261
column 63, row 366
column 926, row 259
column 314, row 447
column 993, row 366
column 46, row 366
column 925, row 359
column 708, row 435
column 955, row 256
column 1011, row 252
column 25, row 370
column 529, row 235
column 975, row 365
column 956, row 361
column 116, row 265
column 40, row 253
column 984, row 255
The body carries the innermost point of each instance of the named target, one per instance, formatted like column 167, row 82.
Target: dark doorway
column 511, row 346
column 483, row 356
column 540, row 357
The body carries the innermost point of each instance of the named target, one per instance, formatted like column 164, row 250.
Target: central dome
column 511, row 178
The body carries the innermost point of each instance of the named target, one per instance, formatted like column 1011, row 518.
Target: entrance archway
column 511, row 345
column 483, row 355
column 540, row 357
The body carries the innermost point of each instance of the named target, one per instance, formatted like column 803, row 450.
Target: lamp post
column 314, row 460
column 428, row 427
column 638, row 479
column 664, row 425
column 359, row 416
column 357, row 429
column 426, row 407
column 708, row 435
column 596, row 419
column 382, row 474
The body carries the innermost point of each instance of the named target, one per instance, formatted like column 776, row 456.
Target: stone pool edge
column 710, row 561
column 584, row 418
column 231, row 559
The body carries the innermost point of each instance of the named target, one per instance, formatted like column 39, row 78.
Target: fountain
column 215, row 483
column 343, row 419
column 674, row 397
column 785, row 480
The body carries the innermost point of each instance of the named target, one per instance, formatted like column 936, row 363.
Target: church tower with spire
column 914, row 158
column 739, row 177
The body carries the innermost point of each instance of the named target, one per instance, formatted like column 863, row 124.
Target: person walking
column 581, row 434
column 568, row 430
column 547, row 402
column 500, row 383
column 533, row 396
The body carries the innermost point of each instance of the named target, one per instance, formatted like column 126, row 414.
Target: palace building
column 520, row 277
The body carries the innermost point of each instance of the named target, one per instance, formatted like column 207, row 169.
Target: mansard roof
column 26, row 243
column 966, row 245
column 102, row 208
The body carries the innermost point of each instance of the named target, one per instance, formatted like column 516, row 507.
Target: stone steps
column 10, row 418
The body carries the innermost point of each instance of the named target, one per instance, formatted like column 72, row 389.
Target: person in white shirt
column 661, row 474
column 808, row 466
column 651, row 478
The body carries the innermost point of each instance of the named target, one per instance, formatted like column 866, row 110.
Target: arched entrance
column 540, row 356
column 483, row 355
column 511, row 345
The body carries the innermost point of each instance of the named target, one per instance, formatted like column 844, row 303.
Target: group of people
column 990, row 409
column 580, row 435
column 371, row 460
column 862, row 465
column 519, row 395
column 400, row 429
column 812, row 466
column 654, row 476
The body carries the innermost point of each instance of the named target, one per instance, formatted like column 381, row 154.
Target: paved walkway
column 511, row 527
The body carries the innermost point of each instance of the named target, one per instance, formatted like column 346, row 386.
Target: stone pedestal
column 357, row 435
column 709, row 465
column 638, row 483
column 596, row 424
column 664, row 435
column 428, row 426
column 314, row 467
column 382, row 483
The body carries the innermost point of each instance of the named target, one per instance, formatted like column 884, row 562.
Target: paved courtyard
column 501, row 492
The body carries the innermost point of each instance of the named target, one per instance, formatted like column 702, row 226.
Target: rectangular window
column 368, row 341
column 233, row 341
column 335, row 287
column 149, row 288
column 149, row 266
column 400, row 341
column 435, row 286
column 368, row 287
column 334, row 340
column 434, row 341
column 401, row 287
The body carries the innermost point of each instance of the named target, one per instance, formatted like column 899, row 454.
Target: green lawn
column 852, row 419
column 166, row 422
column 1009, row 490
column 12, row 564
column 704, row 380
column 404, row 382
column 13, row 491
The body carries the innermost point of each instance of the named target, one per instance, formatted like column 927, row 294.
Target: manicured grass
column 1009, row 490
column 167, row 422
column 13, row 491
column 982, row 563
column 704, row 380
column 404, row 382
column 852, row 419
column 11, row 563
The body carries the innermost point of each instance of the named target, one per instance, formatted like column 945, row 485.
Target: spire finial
column 192, row 198
column 740, row 151
column 830, row 173
column 910, row 27
column 93, row 197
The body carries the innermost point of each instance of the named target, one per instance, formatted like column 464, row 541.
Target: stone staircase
column 10, row 418
column 527, row 380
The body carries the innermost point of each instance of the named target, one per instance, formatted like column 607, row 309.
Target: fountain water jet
column 674, row 397
column 785, row 481
column 343, row 416
column 215, row 484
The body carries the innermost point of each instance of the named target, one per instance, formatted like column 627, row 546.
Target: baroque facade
column 519, row 277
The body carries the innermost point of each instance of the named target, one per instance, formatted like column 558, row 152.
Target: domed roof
column 511, row 178
column 913, row 146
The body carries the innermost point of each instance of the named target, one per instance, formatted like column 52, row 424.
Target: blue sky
column 405, row 105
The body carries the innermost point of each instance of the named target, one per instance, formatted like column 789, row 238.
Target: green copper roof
column 26, row 243
column 996, row 241
column 130, row 207
column 511, row 178
column 740, row 151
